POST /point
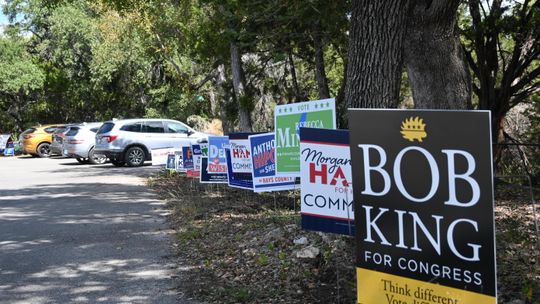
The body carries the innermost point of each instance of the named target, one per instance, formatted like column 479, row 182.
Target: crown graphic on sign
column 413, row 129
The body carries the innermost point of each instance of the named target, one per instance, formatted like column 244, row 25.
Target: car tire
column 95, row 160
column 44, row 150
column 135, row 157
column 82, row 160
column 117, row 163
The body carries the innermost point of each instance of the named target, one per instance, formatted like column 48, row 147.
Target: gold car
column 36, row 141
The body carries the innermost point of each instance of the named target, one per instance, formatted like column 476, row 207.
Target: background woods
column 68, row 61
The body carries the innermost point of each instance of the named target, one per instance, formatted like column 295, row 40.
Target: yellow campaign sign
column 377, row 287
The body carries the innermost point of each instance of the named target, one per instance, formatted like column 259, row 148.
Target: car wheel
column 44, row 150
column 94, row 159
column 82, row 160
column 135, row 157
column 117, row 163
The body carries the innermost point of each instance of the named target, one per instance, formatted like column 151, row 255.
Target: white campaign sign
column 240, row 155
column 3, row 140
column 160, row 156
column 326, row 185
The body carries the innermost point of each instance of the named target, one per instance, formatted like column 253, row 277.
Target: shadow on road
column 83, row 242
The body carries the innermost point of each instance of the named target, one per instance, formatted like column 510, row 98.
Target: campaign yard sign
column 237, row 180
column 171, row 162
column 160, row 156
column 197, row 155
column 4, row 138
column 187, row 156
column 204, row 149
column 326, row 186
column 211, row 178
column 240, row 152
column 239, row 161
column 289, row 119
column 179, row 156
column 217, row 162
column 423, row 190
column 265, row 178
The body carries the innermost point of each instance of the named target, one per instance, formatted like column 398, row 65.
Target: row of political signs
column 413, row 186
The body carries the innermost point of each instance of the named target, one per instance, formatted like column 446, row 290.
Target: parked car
column 58, row 138
column 36, row 141
column 79, row 142
column 131, row 141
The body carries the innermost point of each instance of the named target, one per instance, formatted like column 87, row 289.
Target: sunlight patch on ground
column 13, row 214
column 12, row 245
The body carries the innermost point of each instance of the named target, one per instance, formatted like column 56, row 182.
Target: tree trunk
column 296, row 88
column 341, row 105
column 244, row 118
column 15, row 111
column 320, row 72
column 434, row 58
column 375, row 53
column 222, row 99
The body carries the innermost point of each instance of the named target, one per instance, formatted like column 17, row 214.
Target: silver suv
column 79, row 143
column 130, row 141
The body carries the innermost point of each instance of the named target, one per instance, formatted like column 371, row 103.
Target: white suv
column 79, row 143
column 131, row 141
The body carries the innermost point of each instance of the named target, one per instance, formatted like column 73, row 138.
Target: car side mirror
column 189, row 132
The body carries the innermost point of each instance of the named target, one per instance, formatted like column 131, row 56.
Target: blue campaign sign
column 326, row 186
column 196, row 149
column 265, row 178
column 10, row 149
column 211, row 178
column 188, row 158
column 9, row 152
column 217, row 162
column 238, row 180
column 171, row 162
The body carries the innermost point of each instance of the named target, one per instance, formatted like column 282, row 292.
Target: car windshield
column 106, row 128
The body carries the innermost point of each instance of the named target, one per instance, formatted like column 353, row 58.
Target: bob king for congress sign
column 423, row 190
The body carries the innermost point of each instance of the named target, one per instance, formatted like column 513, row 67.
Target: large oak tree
column 420, row 35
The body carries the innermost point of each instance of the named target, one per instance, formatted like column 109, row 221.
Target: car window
column 72, row 131
column 50, row 130
column 153, row 127
column 31, row 130
column 94, row 130
column 105, row 128
column 60, row 130
column 132, row 127
column 174, row 127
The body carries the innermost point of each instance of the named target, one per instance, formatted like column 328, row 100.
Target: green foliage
column 158, row 58
column 18, row 73
column 20, row 81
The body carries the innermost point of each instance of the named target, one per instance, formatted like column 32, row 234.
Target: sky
column 3, row 18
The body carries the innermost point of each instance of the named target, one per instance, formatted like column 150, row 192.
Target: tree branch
column 525, row 80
